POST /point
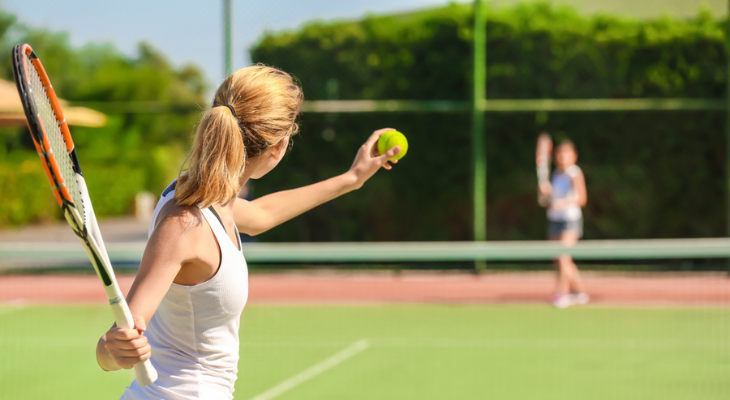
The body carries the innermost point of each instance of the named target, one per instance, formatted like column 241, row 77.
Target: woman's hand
column 368, row 161
column 124, row 347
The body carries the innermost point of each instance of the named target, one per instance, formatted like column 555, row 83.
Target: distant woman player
column 567, row 193
column 192, row 282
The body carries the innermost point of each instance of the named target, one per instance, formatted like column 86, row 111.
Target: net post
column 227, row 37
column 727, row 124
column 478, row 141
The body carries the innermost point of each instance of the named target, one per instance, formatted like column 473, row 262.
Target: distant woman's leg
column 576, row 288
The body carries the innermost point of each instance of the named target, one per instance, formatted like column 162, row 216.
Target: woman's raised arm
column 258, row 216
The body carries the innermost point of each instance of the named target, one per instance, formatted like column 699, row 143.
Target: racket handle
column 144, row 371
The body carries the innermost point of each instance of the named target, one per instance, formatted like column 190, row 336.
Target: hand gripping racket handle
column 144, row 371
column 96, row 250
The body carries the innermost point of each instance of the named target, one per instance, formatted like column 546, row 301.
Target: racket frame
column 82, row 221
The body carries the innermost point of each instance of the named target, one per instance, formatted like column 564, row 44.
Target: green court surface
column 405, row 352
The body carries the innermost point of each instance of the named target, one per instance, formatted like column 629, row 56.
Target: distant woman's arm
column 579, row 186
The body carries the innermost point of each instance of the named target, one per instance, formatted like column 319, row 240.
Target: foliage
column 134, row 152
column 649, row 174
column 22, row 201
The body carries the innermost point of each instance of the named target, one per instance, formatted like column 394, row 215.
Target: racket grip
column 144, row 371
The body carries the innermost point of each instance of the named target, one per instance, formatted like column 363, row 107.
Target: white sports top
column 562, row 183
column 194, row 332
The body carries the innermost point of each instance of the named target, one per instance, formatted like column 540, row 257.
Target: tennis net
column 44, row 254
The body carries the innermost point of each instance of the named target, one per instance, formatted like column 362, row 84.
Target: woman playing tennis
column 567, row 194
column 192, row 282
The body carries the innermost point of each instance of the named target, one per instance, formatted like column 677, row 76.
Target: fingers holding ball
column 391, row 139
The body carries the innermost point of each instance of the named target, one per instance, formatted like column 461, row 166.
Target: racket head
column 543, row 156
column 50, row 132
column 544, row 148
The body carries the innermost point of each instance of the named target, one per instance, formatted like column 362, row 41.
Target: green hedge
column 649, row 174
column 26, row 193
column 533, row 51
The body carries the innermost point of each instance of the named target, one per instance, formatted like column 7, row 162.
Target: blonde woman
column 192, row 282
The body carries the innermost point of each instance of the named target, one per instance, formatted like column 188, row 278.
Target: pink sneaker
column 579, row 298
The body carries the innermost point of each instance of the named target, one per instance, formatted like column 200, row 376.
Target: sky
column 189, row 31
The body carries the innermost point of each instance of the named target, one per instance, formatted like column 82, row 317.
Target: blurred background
column 640, row 87
column 650, row 173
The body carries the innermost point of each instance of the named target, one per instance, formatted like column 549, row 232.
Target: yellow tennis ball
column 390, row 139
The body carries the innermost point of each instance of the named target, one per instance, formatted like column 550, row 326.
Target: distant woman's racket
column 52, row 140
column 543, row 157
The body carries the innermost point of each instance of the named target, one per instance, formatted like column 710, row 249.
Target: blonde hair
column 266, row 103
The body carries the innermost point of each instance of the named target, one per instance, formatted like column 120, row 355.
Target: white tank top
column 562, row 183
column 194, row 332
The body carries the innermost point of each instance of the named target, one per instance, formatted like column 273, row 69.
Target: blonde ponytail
column 216, row 161
column 255, row 108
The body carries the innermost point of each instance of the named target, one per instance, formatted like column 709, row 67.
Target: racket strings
column 52, row 128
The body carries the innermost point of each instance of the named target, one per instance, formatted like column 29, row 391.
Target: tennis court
column 393, row 351
column 390, row 336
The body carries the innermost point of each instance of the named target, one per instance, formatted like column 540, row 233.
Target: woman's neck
column 562, row 168
column 227, row 207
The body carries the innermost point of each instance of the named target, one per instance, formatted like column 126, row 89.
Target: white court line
column 314, row 370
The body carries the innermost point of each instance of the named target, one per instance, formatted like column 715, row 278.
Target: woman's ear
column 278, row 150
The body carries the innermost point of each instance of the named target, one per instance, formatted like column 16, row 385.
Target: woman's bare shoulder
column 174, row 216
column 574, row 171
column 179, row 226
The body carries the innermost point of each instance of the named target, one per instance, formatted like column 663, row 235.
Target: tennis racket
column 52, row 140
column 543, row 157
